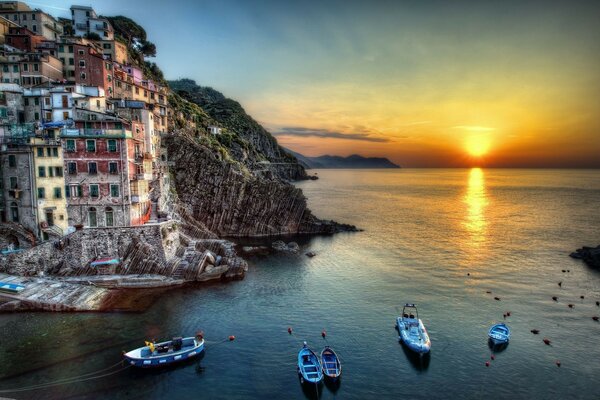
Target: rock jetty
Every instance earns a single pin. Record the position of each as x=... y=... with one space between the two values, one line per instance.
x=589 y=255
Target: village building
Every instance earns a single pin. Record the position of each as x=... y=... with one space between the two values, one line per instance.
x=23 y=39
x=86 y=21
x=35 y=20
x=37 y=68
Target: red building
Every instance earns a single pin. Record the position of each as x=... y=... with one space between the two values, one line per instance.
x=91 y=69
x=23 y=39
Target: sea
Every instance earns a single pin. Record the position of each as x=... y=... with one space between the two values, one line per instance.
x=466 y=246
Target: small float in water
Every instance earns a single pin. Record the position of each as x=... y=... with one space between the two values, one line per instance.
x=499 y=334
x=309 y=366
x=332 y=368
x=166 y=353
x=412 y=331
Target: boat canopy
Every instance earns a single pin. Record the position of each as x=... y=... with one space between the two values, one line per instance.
x=104 y=261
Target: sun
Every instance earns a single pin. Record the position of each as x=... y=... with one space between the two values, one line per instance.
x=477 y=146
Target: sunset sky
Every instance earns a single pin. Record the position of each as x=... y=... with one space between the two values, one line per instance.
x=424 y=83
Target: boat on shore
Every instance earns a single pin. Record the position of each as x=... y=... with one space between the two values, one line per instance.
x=332 y=368
x=499 y=334
x=309 y=366
x=412 y=331
x=165 y=353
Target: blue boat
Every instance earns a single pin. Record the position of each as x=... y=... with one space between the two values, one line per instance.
x=13 y=288
x=309 y=366
x=332 y=368
x=165 y=353
x=499 y=334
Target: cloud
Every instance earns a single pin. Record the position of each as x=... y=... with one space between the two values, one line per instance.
x=471 y=128
x=324 y=133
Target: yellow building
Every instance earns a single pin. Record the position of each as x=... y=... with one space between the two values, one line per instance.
x=49 y=187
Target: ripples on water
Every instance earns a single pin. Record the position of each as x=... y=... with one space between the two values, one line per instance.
x=439 y=238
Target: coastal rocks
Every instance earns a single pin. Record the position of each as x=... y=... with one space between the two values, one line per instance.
x=589 y=255
x=232 y=202
x=256 y=250
x=291 y=247
x=311 y=254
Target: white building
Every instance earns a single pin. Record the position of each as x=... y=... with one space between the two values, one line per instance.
x=215 y=130
x=85 y=20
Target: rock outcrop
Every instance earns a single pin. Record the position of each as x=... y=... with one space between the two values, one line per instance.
x=589 y=255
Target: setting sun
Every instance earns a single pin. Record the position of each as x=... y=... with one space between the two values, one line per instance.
x=477 y=146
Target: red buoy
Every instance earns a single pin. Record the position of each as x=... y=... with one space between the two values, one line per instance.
x=508 y=313
x=323 y=334
x=487 y=363
x=231 y=338
x=493 y=357
x=558 y=363
x=547 y=341
x=290 y=330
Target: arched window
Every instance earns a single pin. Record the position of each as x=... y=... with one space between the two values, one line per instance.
x=92 y=217
x=110 y=219
x=14 y=212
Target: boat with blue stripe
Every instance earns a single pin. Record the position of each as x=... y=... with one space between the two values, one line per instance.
x=14 y=288
x=309 y=366
x=165 y=353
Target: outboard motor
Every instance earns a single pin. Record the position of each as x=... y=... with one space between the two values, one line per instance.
x=177 y=343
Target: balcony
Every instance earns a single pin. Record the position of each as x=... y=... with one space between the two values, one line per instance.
x=92 y=132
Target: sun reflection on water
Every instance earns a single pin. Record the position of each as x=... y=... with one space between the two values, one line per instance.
x=476 y=200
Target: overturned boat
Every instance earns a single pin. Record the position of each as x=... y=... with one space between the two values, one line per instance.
x=412 y=331
x=164 y=353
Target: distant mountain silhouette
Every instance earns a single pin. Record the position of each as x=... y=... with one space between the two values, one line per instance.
x=353 y=161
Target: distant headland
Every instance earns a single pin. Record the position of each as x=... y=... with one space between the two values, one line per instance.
x=353 y=161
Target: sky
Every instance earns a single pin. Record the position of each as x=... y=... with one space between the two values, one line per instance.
x=424 y=83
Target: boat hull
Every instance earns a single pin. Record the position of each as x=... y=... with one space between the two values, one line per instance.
x=413 y=335
x=332 y=368
x=135 y=359
x=499 y=334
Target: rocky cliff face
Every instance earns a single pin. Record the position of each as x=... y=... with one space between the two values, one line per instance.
x=246 y=140
x=231 y=201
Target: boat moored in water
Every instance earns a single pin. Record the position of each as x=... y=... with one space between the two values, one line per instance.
x=412 y=331
x=332 y=368
x=499 y=334
x=309 y=366
x=164 y=353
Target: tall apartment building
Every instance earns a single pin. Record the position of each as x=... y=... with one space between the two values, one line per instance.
x=86 y=21
x=35 y=20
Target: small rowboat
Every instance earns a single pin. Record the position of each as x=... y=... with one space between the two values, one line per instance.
x=11 y=287
x=332 y=368
x=499 y=334
x=309 y=366
x=165 y=353
x=412 y=331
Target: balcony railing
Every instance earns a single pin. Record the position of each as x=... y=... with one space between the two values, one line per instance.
x=92 y=132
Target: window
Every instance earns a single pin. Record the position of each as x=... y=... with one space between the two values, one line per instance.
x=67 y=191
x=112 y=145
x=114 y=190
x=72 y=166
x=57 y=193
x=36 y=101
x=94 y=191
x=5 y=68
x=92 y=168
x=137 y=90
x=70 y=49
x=70 y=145
x=13 y=182
x=33 y=17
x=24 y=17
x=110 y=220
x=82 y=75
x=50 y=172
x=15 y=68
x=65 y=115
x=75 y=191
x=34 y=28
x=12 y=161
x=25 y=67
x=90 y=146
x=36 y=116
x=113 y=168
x=49 y=151
x=106 y=46
x=92 y=218
x=80 y=53
x=14 y=212
x=82 y=63
x=41 y=192
x=42 y=172
x=47 y=101
x=58 y=171
x=61 y=48
x=55 y=152
x=40 y=152
x=71 y=61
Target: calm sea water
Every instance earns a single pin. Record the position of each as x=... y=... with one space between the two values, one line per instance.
x=438 y=238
